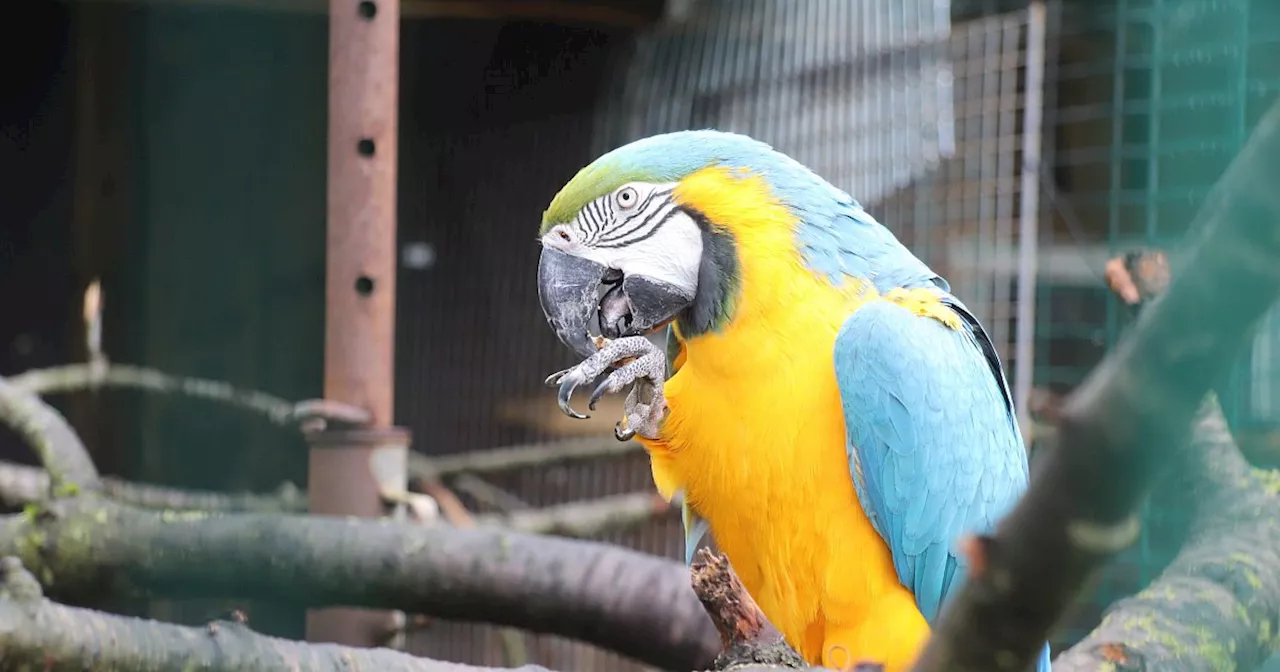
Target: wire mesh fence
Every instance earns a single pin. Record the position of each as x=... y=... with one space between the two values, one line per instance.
x=1155 y=97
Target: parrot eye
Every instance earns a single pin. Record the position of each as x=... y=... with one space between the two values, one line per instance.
x=562 y=234
x=626 y=198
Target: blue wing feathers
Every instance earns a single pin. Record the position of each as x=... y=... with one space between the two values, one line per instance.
x=932 y=433
x=930 y=427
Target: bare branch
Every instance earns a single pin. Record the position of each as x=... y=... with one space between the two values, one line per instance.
x=38 y=634
x=622 y=600
x=1081 y=507
x=512 y=458
x=47 y=432
x=746 y=635
x=21 y=484
x=79 y=377
x=488 y=494
x=583 y=519
x=513 y=645
x=287 y=498
x=93 y=375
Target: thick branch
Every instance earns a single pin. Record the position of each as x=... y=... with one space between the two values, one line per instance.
x=1213 y=606
x=37 y=634
x=1216 y=606
x=47 y=432
x=629 y=602
x=1080 y=508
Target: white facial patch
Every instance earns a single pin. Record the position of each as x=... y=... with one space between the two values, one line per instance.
x=639 y=230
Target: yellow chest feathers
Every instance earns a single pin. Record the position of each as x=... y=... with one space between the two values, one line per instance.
x=755 y=435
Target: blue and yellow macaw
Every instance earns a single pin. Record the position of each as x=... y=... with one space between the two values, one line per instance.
x=824 y=405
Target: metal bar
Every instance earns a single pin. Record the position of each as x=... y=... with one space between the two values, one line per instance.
x=348 y=471
x=1029 y=214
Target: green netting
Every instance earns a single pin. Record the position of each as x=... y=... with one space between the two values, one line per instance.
x=1155 y=97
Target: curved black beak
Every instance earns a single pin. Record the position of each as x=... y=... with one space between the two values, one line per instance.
x=567 y=287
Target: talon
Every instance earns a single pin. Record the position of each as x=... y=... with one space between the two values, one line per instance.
x=554 y=379
x=623 y=433
x=598 y=393
x=566 y=391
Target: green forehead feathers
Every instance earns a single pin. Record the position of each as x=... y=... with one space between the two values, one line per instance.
x=597 y=179
x=669 y=157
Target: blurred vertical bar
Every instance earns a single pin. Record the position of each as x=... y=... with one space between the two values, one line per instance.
x=349 y=469
x=1029 y=215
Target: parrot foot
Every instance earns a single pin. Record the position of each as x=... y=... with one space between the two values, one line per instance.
x=642 y=364
x=642 y=412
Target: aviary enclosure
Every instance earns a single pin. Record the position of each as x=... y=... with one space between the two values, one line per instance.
x=335 y=204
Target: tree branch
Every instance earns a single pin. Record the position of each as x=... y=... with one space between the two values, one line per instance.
x=48 y=433
x=747 y=637
x=36 y=633
x=1117 y=426
x=279 y=411
x=93 y=375
x=583 y=519
x=21 y=484
x=1216 y=606
x=622 y=600
x=513 y=458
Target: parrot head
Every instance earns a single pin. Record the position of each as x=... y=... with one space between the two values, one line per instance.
x=655 y=231
x=621 y=225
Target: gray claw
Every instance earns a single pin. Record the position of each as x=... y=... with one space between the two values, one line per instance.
x=597 y=393
x=567 y=386
x=554 y=379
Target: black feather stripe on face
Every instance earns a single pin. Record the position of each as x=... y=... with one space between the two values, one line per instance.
x=718 y=280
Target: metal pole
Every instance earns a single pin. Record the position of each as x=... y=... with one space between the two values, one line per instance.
x=1029 y=214
x=350 y=469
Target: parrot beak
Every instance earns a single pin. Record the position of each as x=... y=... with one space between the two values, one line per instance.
x=632 y=306
x=639 y=305
x=567 y=287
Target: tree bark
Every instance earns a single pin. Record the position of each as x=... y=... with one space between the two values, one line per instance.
x=1217 y=605
x=48 y=433
x=746 y=635
x=1118 y=427
x=37 y=634
x=21 y=484
x=633 y=603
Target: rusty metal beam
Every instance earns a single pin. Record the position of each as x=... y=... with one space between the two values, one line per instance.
x=349 y=469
